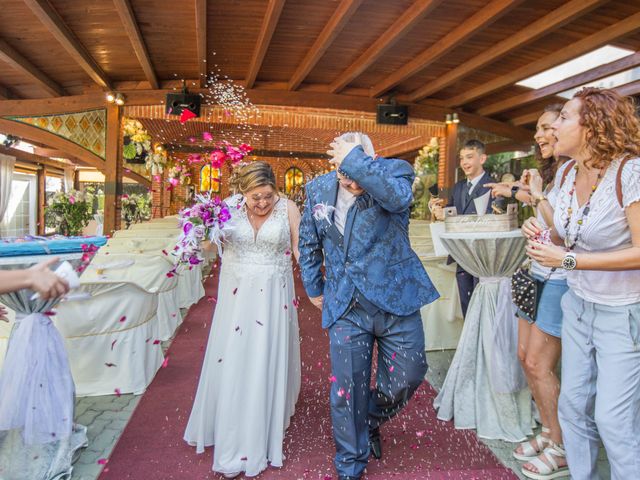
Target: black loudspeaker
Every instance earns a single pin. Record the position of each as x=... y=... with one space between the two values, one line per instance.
x=177 y=102
x=391 y=114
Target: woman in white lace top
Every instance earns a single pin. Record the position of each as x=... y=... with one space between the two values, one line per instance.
x=597 y=236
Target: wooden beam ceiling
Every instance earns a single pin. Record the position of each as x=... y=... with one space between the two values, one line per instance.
x=4 y=93
x=45 y=12
x=481 y=19
x=525 y=119
x=557 y=18
x=395 y=32
x=266 y=97
x=625 y=63
x=128 y=18
x=201 y=41
x=587 y=44
x=14 y=59
x=274 y=9
x=343 y=13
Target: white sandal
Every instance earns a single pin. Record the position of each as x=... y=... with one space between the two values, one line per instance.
x=551 y=470
x=528 y=451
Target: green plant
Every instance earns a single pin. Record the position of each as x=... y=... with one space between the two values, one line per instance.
x=69 y=212
x=136 y=208
x=426 y=163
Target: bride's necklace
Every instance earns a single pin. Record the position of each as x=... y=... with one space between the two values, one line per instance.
x=570 y=245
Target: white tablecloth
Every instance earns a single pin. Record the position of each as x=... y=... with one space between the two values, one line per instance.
x=442 y=320
x=113 y=337
x=485 y=388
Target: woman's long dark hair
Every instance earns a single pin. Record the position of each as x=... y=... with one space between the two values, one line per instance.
x=548 y=166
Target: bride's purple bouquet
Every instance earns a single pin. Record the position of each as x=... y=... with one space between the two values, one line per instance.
x=206 y=219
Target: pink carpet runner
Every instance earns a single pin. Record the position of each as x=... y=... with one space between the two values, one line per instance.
x=416 y=444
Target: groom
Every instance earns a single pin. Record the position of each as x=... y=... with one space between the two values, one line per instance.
x=356 y=222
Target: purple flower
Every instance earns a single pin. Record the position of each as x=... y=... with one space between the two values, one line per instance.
x=186 y=228
x=224 y=215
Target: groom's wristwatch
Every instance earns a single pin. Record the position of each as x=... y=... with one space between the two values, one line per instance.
x=569 y=261
x=514 y=190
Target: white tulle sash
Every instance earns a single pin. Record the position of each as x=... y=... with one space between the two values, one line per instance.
x=36 y=386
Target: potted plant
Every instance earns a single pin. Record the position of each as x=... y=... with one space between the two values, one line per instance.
x=69 y=213
x=135 y=208
x=137 y=142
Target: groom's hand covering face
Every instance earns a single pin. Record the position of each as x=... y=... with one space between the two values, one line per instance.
x=350 y=185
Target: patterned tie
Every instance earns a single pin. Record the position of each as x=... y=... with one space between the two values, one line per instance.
x=467 y=191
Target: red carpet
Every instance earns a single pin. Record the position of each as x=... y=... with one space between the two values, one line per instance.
x=416 y=444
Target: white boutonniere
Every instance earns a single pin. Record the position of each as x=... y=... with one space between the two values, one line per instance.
x=322 y=211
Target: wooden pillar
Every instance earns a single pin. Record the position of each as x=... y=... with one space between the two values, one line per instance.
x=42 y=198
x=76 y=179
x=113 y=170
x=448 y=159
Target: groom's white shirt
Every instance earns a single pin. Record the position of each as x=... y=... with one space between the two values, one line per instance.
x=343 y=203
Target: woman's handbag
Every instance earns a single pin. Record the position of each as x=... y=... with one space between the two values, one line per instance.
x=526 y=291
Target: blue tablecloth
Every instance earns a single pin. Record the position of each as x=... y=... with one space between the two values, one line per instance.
x=47 y=246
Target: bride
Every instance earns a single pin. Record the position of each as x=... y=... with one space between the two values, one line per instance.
x=250 y=378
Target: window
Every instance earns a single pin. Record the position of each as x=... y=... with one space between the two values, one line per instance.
x=292 y=178
x=210 y=179
x=20 y=217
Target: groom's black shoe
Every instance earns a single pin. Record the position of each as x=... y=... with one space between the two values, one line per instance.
x=375 y=443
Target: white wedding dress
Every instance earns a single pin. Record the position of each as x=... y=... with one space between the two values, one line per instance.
x=250 y=378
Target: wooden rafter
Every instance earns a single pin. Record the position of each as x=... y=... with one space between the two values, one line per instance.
x=4 y=93
x=56 y=26
x=201 y=40
x=632 y=88
x=128 y=18
x=32 y=158
x=630 y=61
x=525 y=119
x=266 y=97
x=330 y=31
x=481 y=19
x=557 y=18
x=395 y=32
x=274 y=9
x=13 y=58
x=507 y=146
x=587 y=44
x=408 y=145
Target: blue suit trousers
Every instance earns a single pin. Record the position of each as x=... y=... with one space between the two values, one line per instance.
x=402 y=365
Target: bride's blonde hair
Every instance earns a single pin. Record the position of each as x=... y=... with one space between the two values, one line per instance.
x=252 y=175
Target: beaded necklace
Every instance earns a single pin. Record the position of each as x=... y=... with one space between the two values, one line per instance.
x=587 y=207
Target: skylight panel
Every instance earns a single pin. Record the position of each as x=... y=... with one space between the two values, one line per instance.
x=580 y=64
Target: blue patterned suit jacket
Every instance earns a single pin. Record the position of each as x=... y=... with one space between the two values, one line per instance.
x=374 y=255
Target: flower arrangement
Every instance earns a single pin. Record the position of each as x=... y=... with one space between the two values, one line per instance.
x=221 y=152
x=69 y=212
x=206 y=219
x=156 y=161
x=137 y=142
x=135 y=208
x=179 y=174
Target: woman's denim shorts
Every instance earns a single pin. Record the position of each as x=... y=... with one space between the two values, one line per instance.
x=549 y=316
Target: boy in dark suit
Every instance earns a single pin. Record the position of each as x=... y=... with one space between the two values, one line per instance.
x=472 y=159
